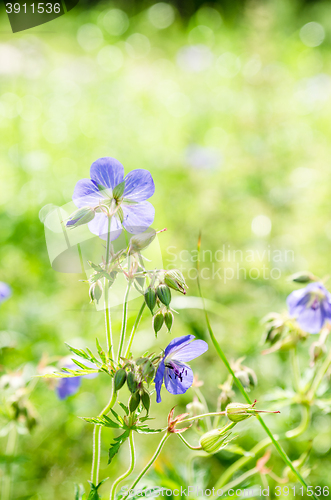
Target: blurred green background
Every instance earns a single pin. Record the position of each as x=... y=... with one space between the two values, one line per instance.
x=229 y=108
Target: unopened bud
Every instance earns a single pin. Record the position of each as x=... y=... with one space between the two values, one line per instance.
x=95 y=292
x=146 y=400
x=132 y=382
x=134 y=401
x=80 y=217
x=168 y=319
x=141 y=241
x=175 y=280
x=303 y=277
x=119 y=379
x=158 y=321
x=215 y=440
x=236 y=412
x=164 y=294
x=150 y=298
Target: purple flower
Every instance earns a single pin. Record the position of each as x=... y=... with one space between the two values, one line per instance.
x=68 y=386
x=5 y=291
x=176 y=374
x=311 y=306
x=124 y=199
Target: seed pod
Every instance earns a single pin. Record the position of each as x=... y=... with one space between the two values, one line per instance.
x=168 y=319
x=134 y=401
x=158 y=321
x=150 y=298
x=175 y=280
x=119 y=379
x=214 y=440
x=132 y=383
x=164 y=294
x=81 y=216
x=140 y=241
x=146 y=400
x=95 y=291
x=236 y=412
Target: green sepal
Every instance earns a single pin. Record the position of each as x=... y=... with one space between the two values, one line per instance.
x=164 y=294
x=119 y=379
x=119 y=190
x=132 y=383
x=146 y=400
x=134 y=401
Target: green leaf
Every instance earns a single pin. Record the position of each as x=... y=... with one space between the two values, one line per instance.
x=114 y=447
x=125 y=408
x=142 y=429
x=92 y=357
x=94 y=495
x=81 y=365
x=68 y=373
x=118 y=417
x=79 y=492
x=104 y=420
x=101 y=352
x=78 y=352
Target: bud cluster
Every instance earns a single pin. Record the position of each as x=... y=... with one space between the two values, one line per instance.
x=281 y=333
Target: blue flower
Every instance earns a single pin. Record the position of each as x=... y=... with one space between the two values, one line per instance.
x=124 y=199
x=5 y=291
x=68 y=386
x=176 y=374
x=311 y=306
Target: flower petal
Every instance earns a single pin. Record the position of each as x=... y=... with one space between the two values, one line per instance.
x=86 y=194
x=158 y=380
x=190 y=351
x=137 y=218
x=139 y=185
x=178 y=384
x=68 y=386
x=107 y=171
x=99 y=226
x=5 y=291
x=311 y=320
x=174 y=344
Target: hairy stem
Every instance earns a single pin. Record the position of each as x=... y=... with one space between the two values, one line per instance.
x=134 y=329
x=221 y=354
x=124 y=321
x=188 y=444
x=130 y=469
x=149 y=465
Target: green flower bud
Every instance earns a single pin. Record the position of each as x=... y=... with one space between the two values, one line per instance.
x=168 y=319
x=158 y=321
x=175 y=280
x=95 y=292
x=164 y=294
x=80 y=217
x=150 y=298
x=119 y=379
x=146 y=400
x=141 y=241
x=215 y=440
x=236 y=412
x=148 y=371
x=134 y=401
x=303 y=277
x=119 y=190
x=132 y=382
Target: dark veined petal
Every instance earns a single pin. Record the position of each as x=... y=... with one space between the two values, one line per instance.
x=107 y=171
x=179 y=341
x=137 y=218
x=158 y=380
x=139 y=185
x=186 y=352
x=178 y=379
x=86 y=194
x=67 y=387
x=99 y=226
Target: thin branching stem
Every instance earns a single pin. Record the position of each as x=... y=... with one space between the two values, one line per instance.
x=130 y=469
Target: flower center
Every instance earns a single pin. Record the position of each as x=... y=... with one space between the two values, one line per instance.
x=177 y=371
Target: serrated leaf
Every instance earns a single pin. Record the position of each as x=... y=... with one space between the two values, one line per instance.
x=68 y=373
x=105 y=421
x=79 y=352
x=125 y=408
x=114 y=447
x=117 y=416
x=92 y=357
x=81 y=365
x=101 y=352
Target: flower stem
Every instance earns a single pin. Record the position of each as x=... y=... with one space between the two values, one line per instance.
x=295 y=369
x=130 y=469
x=204 y=402
x=134 y=329
x=239 y=480
x=149 y=465
x=124 y=321
x=10 y=450
x=188 y=444
x=319 y=376
x=241 y=387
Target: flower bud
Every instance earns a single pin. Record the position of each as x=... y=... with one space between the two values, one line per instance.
x=146 y=400
x=134 y=401
x=95 y=291
x=164 y=294
x=168 y=319
x=215 y=440
x=236 y=412
x=303 y=277
x=132 y=382
x=141 y=241
x=80 y=217
x=175 y=280
x=119 y=379
x=150 y=298
x=158 y=321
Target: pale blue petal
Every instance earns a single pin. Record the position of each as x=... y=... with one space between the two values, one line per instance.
x=158 y=380
x=5 y=291
x=67 y=386
x=99 y=226
x=107 y=171
x=187 y=352
x=175 y=343
x=178 y=378
x=139 y=185
x=137 y=218
x=86 y=194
